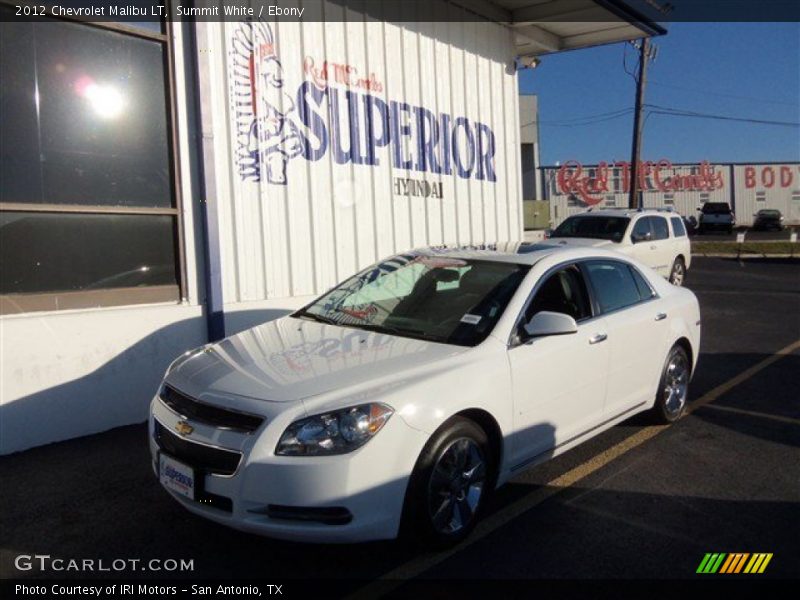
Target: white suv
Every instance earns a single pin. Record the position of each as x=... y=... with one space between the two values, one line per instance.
x=655 y=237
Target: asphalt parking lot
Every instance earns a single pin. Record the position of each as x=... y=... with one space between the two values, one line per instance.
x=636 y=502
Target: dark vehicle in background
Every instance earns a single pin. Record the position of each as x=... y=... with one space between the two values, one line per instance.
x=690 y=223
x=768 y=218
x=716 y=216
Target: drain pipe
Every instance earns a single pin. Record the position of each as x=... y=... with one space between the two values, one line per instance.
x=206 y=183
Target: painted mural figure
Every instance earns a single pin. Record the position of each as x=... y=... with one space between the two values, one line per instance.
x=267 y=137
x=349 y=122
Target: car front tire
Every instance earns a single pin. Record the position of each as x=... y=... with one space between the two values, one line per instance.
x=677 y=274
x=448 y=488
x=673 y=387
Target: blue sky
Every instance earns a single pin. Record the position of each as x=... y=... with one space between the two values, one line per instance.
x=749 y=70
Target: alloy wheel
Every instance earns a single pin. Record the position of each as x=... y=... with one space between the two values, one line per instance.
x=456 y=486
x=678 y=273
x=676 y=385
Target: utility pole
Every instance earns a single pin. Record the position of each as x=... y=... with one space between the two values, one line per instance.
x=641 y=82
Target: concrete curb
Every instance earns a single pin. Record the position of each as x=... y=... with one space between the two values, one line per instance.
x=743 y=256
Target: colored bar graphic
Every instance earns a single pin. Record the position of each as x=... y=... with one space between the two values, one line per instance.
x=703 y=563
x=717 y=564
x=753 y=560
x=726 y=565
x=722 y=563
x=767 y=558
x=740 y=564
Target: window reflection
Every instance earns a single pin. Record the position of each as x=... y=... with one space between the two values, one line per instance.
x=42 y=252
x=84 y=114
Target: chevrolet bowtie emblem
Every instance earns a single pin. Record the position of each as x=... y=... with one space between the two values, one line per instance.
x=183 y=428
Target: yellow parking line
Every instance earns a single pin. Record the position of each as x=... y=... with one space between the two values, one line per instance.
x=723 y=388
x=753 y=413
x=419 y=565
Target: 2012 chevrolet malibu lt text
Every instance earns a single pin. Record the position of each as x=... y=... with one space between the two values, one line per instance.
x=401 y=398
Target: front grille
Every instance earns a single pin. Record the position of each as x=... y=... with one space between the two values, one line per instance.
x=222 y=418
x=333 y=515
x=203 y=458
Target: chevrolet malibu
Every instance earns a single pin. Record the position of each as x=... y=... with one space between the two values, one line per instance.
x=396 y=402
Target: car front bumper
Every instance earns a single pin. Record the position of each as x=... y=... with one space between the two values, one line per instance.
x=368 y=484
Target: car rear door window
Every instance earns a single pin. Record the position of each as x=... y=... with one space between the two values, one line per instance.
x=677 y=227
x=613 y=284
x=660 y=228
x=645 y=291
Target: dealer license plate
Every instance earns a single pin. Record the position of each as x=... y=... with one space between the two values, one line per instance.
x=176 y=476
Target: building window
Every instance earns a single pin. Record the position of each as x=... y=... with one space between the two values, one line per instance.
x=611 y=200
x=88 y=202
x=669 y=199
x=616 y=180
x=761 y=196
x=704 y=197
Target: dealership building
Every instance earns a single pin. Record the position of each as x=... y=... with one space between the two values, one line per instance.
x=571 y=187
x=164 y=184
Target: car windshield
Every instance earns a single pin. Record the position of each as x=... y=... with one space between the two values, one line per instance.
x=437 y=298
x=716 y=208
x=598 y=227
x=768 y=213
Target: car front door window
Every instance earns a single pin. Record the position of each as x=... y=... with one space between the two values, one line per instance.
x=551 y=408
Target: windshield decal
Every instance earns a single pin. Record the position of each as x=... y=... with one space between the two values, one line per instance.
x=471 y=319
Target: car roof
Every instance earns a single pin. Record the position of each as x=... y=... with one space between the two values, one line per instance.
x=521 y=253
x=626 y=212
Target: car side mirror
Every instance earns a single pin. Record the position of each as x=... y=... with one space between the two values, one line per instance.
x=640 y=237
x=550 y=323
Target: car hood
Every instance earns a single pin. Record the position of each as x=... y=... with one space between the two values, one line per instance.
x=578 y=241
x=291 y=359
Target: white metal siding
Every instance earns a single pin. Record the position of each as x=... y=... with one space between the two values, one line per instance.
x=683 y=202
x=777 y=184
x=330 y=219
x=752 y=188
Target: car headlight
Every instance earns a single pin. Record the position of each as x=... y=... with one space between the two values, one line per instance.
x=335 y=432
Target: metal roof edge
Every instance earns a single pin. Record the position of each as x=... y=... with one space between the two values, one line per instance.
x=625 y=11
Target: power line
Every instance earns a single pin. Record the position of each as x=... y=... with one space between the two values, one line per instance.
x=625 y=61
x=723 y=95
x=677 y=112
x=588 y=119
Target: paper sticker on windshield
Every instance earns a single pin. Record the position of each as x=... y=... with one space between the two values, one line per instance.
x=440 y=262
x=471 y=319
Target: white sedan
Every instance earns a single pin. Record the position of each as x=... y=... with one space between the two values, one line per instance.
x=400 y=399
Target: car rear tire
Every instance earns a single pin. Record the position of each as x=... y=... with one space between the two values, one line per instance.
x=673 y=387
x=678 y=273
x=449 y=486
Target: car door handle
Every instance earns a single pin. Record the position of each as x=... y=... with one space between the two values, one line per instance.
x=653 y=247
x=661 y=316
x=597 y=338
